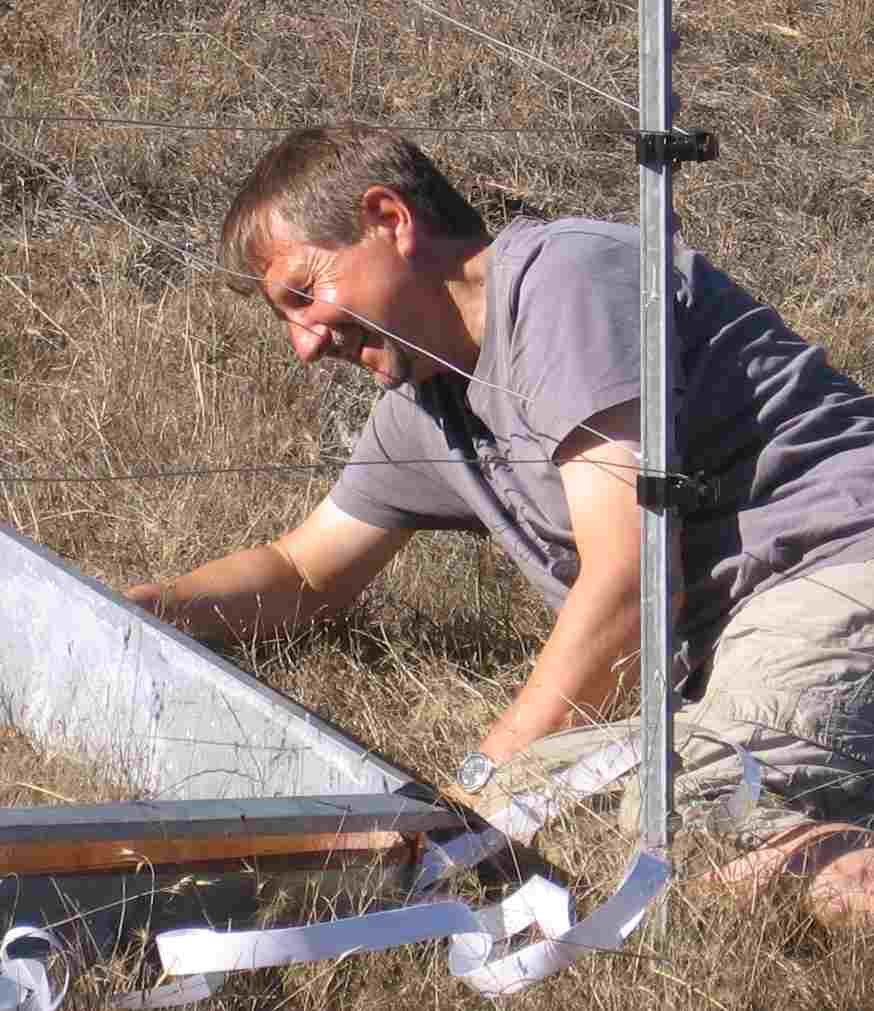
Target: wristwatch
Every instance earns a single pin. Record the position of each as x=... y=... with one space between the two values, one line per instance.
x=475 y=771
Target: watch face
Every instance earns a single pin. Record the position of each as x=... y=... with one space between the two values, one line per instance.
x=475 y=771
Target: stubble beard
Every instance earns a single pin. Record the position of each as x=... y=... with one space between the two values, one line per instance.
x=399 y=362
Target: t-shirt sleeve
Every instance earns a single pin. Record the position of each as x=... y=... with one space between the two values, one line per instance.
x=576 y=335
x=393 y=479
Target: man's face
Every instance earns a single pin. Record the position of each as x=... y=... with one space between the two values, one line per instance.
x=310 y=287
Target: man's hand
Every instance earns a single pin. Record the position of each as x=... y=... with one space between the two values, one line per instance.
x=158 y=600
x=148 y=596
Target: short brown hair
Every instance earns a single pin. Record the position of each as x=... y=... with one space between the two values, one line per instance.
x=316 y=178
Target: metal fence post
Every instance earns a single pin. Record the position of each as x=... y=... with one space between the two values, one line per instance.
x=656 y=332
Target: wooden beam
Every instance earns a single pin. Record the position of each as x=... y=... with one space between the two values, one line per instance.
x=310 y=831
x=73 y=858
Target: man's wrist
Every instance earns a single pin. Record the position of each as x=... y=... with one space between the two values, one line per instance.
x=475 y=772
x=499 y=744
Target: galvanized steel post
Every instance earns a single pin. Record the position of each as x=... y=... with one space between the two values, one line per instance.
x=657 y=431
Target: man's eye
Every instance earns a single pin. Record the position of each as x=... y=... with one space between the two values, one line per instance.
x=294 y=298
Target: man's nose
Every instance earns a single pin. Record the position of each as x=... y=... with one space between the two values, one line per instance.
x=310 y=342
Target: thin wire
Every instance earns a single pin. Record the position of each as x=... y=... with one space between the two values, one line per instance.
x=189 y=258
x=170 y=472
x=155 y=124
x=528 y=56
x=491 y=39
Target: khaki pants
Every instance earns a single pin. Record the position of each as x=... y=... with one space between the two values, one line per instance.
x=792 y=681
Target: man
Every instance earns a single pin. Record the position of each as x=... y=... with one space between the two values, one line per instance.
x=512 y=371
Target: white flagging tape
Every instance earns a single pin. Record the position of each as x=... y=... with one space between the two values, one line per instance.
x=474 y=934
x=24 y=982
x=477 y=952
x=549 y=906
x=527 y=813
x=442 y=861
x=181 y=991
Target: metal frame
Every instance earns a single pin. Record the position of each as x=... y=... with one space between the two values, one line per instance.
x=241 y=771
x=88 y=671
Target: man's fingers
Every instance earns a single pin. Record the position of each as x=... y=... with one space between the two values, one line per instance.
x=150 y=596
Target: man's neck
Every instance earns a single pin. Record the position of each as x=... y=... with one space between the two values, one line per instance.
x=465 y=283
x=471 y=297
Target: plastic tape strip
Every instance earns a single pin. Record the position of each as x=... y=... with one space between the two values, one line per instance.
x=734 y=809
x=181 y=991
x=526 y=813
x=441 y=861
x=474 y=933
x=24 y=982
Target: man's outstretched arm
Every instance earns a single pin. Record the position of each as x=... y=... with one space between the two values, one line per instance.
x=316 y=569
x=591 y=654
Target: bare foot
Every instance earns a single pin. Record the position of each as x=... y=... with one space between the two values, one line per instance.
x=835 y=858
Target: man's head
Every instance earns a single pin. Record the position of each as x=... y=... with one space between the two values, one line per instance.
x=352 y=235
x=314 y=182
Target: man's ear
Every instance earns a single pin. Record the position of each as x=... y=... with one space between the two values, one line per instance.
x=385 y=212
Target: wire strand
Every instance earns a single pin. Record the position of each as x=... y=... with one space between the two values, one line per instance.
x=188 y=258
x=11 y=475
x=525 y=55
x=529 y=56
x=64 y=119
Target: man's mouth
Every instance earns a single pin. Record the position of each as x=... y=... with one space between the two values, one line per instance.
x=348 y=345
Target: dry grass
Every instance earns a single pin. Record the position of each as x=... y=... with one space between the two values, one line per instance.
x=117 y=352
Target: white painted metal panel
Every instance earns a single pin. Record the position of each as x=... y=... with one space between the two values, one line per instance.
x=83 y=669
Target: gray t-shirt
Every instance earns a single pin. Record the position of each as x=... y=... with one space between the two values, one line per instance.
x=790 y=439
